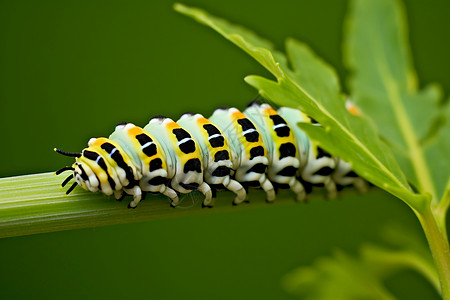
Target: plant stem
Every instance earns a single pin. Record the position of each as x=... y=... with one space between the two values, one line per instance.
x=440 y=249
x=440 y=211
x=35 y=203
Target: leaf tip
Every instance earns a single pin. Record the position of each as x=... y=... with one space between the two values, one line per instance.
x=177 y=6
x=192 y=12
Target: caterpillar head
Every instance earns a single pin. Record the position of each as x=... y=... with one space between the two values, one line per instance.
x=82 y=174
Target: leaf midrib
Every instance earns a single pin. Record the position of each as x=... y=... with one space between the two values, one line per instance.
x=415 y=153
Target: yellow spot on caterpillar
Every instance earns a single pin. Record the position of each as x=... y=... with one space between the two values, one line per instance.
x=135 y=131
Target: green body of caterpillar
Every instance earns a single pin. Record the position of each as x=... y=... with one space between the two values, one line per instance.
x=260 y=147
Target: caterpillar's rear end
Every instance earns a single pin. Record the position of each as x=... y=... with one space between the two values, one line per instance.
x=260 y=148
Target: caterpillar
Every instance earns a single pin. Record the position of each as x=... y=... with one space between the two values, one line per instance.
x=260 y=147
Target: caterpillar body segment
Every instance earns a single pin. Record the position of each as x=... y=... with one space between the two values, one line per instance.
x=280 y=142
x=149 y=160
x=293 y=117
x=105 y=175
x=186 y=167
x=259 y=147
x=317 y=165
x=319 y=169
x=117 y=158
x=216 y=153
x=252 y=162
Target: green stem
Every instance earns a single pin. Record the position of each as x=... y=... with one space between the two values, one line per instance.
x=440 y=211
x=440 y=249
x=33 y=204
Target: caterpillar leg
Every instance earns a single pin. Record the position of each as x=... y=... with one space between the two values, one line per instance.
x=238 y=189
x=206 y=190
x=227 y=183
x=326 y=181
x=119 y=195
x=330 y=186
x=267 y=186
x=137 y=196
x=318 y=171
x=167 y=191
x=298 y=189
x=158 y=184
x=360 y=184
x=344 y=176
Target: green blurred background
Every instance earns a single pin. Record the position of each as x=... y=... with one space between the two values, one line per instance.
x=71 y=70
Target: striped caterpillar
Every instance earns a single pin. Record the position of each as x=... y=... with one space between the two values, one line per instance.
x=261 y=147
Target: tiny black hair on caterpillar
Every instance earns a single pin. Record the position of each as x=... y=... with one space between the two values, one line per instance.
x=259 y=147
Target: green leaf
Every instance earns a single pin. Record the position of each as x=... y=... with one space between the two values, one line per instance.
x=383 y=85
x=312 y=86
x=342 y=276
x=437 y=152
x=338 y=277
x=406 y=250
